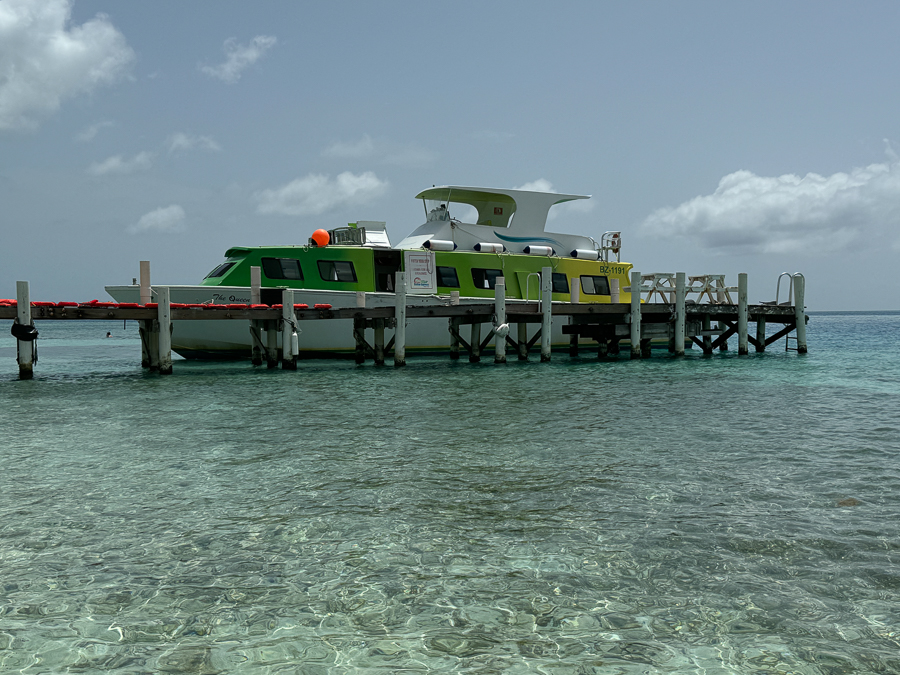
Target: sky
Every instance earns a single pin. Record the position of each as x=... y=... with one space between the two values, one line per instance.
x=717 y=137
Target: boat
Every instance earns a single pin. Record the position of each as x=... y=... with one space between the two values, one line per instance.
x=471 y=236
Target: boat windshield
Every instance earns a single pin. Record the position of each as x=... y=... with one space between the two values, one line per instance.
x=445 y=211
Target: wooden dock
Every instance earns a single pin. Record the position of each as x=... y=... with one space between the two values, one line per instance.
x=672 y=319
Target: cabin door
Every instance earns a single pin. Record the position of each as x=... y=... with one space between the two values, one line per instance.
x=387 y=263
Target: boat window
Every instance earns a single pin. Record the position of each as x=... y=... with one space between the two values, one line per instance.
x=282 y=268
x=560 y=283
x=595 y=285
x=336 y=270
x=220 y=270
x=447 y=277
x=485 y=278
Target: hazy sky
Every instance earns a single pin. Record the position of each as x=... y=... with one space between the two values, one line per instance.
x=720 y=137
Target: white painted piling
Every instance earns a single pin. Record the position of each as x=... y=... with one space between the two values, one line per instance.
x=145 y=282
x=635 y=315
x=743 y=342
x=400 y=316
x=575 y=290
x=255 y=326
x=360 y=298
x=164 y=312
x=546 y=312
x=614 y=295
x=679 y=313
x=500 y=328
x=800 y=311
x=25 y=348
x=288 y=322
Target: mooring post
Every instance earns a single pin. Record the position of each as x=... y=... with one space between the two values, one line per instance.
x=522 y=340
x=164 y=312
x=379 y=342
x=635 y=315
x=475 y=343
x=680 y=315
x=255 y=329
x=707 y=335
x=400 y=315
x=574 y=298
x=145 y=282
x=800 y=311
x=500 y=320
x=25 y=349
x=359 y=336
x=760 y=332
x=144 y=330
x=454 y=338
x=614 y=296
x=743 y=343
x=288 y=330
x=271 y=344
x=546 y=312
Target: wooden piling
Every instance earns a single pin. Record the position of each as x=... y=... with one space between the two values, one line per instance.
x=288 y=326
x=400 y=315
x=635 y=315
x=760 y=333
x=475 y=343
x=271 y=344
x=255 y=326
x=163 y=297
x=522 y=341
x=679 y=314
x=379 y=342
x=707 y=335
x=500 y=327
x=454 y=338
x=546 y=312
x=24 y=348
x=800 y=311
x=359 y=336
x=743 y=343
x=145 y=292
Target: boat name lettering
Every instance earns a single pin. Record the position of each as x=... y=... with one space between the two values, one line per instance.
x=218 y=298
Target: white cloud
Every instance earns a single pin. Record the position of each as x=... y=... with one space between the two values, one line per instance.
x=316 y=193
x=181 y=141
x=539 y=185
x=118 y=164
x=355 y=150
x=239 y=57
x=44 y=61
x=91 y=132
x=165 y=219
x=788 y=214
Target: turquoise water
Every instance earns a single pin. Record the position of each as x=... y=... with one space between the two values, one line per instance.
x=707 y=515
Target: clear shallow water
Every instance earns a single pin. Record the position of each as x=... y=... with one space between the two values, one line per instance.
x=656 y=516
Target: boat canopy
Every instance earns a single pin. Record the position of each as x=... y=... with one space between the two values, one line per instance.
x=496 y=206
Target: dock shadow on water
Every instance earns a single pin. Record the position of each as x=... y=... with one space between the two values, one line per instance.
x=714 y=515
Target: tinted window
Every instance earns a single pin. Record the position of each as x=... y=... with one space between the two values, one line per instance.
x=560 y=283
x=485 y=278
x=336 y=270
x=220 y=270
x=282 y=268
x=447 y=277
x=595 y=285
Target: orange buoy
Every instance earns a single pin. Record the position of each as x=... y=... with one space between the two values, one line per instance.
x=321 y=238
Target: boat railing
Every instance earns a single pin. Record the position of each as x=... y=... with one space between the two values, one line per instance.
x=610 y=242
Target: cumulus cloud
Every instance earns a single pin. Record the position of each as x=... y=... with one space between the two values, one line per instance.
x=239 y=57
x=88 y=134
x=316 y=193
x=182 y=142
x=117 y=164
x=44 y=61
x=165 y=219
x=788 y=214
